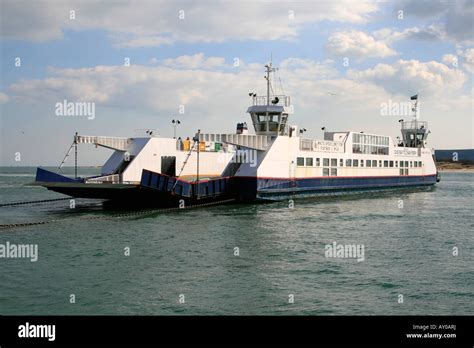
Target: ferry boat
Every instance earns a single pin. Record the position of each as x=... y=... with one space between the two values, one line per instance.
x=274 y=163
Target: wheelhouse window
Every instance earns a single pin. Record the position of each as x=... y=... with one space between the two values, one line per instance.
x=309 y=161
x=300 y=161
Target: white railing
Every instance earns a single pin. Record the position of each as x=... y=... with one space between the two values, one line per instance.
x=257 y=142
x=114 y=143
x=282 y=100
x=106 y=179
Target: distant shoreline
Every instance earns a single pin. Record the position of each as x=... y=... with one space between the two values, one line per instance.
x=455 y=167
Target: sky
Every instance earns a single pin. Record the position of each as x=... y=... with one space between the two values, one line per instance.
x=143 y=63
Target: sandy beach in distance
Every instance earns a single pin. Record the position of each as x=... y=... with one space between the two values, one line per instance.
x=455 y=167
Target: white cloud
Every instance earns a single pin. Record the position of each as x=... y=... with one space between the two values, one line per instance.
x=454 y=17
x=153 y=23
x=196 y=61
x=431 y=79
x=358 y=44
x=467 y=59
x=429 y=33
x=3 y=98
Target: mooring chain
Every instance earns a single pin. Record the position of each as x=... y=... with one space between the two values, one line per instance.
x=34 y=202
x=118 y=216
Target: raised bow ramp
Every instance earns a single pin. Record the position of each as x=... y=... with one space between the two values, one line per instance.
x=114 y=143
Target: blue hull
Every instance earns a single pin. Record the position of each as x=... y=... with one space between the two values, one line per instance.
x=278 y=189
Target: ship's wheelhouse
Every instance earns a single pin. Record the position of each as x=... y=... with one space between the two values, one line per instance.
x=270 y=117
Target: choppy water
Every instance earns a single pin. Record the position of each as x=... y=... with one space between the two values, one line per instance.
x=408 y=251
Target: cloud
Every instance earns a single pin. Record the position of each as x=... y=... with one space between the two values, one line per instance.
x=358 y=44
x=467 y=59
x=196 y=61
x=450 y=59
x=154 y=23
x=455 y=18
x=430 y=33
x=431 y=79
x=3 y=98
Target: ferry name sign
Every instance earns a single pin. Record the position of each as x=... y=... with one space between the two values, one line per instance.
x=328 y=146
x=406 y=152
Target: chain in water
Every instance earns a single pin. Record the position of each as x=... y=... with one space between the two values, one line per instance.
x=117 y=216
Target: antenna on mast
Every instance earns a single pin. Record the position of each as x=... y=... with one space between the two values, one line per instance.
x=269 y=70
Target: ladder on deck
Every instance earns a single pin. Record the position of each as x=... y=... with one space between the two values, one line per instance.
x=67 y=155
x=184 y=163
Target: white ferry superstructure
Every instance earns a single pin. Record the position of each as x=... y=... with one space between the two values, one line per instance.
x=275 y=163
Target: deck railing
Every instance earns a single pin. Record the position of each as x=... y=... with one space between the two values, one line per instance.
x=106 y=179
x=283 y=100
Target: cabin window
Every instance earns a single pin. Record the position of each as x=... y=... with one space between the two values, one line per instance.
x=396 y=164
x=411 y=164
x=391 y=164
x=421 y=164
x=325 y=171
x=374 y=163
x=333 y=171
x=416 y=164
x=361 y=163
x=406 y=164
x=333 y=162
x=309 y=162
x=300 y=161
x=355 y=163
x=370 y=144
x=368 y=163
x=403 y=171
x=380 y=164
x=348 y=163
x=325 y=162
x=385 y=163
x=341 y=162
x=317 y=162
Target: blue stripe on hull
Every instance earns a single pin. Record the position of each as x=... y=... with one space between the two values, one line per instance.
x=276 y=189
